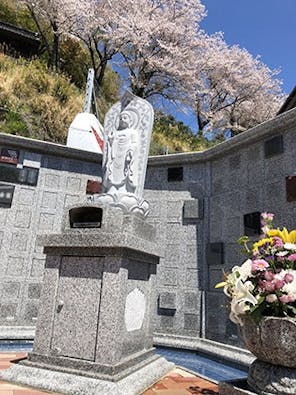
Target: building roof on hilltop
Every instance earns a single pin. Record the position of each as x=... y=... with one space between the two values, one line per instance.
x=22 y=41
x=289 y=103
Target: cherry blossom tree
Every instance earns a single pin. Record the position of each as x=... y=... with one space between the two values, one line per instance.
x=156 y=41
x=232 y=90
x=91 y=21
x=49 y=18
x=161 y=51
x=152 y=39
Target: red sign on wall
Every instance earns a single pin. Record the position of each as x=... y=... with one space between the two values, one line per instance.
x=8 y=155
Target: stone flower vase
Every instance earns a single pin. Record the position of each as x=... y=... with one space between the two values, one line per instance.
x=273 y=342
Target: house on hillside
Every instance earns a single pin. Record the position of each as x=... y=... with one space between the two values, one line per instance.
x=17 y=41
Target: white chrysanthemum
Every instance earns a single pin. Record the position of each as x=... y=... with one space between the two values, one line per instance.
x=290 y=246
x=282 y=253
x=290 y=288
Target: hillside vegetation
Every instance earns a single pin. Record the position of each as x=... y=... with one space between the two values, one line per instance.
x=34 y=102
x=40 y=104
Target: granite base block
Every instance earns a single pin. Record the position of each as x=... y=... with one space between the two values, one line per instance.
x=235 y=387
x=70 y=384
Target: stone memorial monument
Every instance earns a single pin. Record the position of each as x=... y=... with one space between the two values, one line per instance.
x=94 y=332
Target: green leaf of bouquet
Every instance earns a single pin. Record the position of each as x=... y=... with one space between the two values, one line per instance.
x=243 y=240
x=292 y=308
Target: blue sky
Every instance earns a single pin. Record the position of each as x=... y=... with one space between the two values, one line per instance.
x=264 y=27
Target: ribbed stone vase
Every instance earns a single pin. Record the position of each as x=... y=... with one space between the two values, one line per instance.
x=273 y=342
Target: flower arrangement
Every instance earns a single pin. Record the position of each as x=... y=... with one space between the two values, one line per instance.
x=265 y=284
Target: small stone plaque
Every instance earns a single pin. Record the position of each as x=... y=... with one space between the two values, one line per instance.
x=6 y=195
x=291 y=188
x=135 y=308
x=8 y=155
x=215 y=254
x=193 y=209
x=93 y=187
x=167 y=300
x=273 y=146
x=252 y=224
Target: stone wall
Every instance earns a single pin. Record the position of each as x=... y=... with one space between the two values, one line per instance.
x=198 y=203
x=201 y=216
x=61 y=176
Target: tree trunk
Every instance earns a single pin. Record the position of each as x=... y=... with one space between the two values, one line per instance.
x=55 y=47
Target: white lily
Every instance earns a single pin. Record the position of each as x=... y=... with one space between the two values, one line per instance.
x=242 y=298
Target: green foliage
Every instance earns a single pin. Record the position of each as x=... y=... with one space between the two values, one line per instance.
x=172 y=136
x=74 y=60
x=11 y=12
x=14 y=124
x=108 y=94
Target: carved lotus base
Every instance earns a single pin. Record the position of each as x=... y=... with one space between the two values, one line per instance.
x=128 y=203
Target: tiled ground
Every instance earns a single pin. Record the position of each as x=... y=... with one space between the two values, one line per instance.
x=177 y=382
x=180 y=382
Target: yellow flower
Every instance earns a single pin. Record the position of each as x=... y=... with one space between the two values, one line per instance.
x=287 y=237
x=260 y=243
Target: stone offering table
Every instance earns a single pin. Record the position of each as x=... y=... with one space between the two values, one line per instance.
x=94 y=332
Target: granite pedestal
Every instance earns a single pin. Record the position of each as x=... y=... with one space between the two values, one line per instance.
x=94 y=332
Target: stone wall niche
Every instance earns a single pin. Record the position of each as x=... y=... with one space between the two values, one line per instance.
x=94 y=332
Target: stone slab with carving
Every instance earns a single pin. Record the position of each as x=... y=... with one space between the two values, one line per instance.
x=127 y=129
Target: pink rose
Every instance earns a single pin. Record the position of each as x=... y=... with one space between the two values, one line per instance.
x=269 y=276
x=284 y=299
x=279 y=284
x=269 y=286
x=287 y=298
x=271 y=298
x=277 y=242
x=288 y=278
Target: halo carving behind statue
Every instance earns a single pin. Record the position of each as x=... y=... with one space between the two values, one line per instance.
x=127 y=133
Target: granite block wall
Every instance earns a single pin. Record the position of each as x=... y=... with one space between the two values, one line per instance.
x=62 y=175
x=198 y=205
x=242 y=176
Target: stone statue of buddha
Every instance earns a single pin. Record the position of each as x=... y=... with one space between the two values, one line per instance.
x=127 y=132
